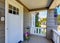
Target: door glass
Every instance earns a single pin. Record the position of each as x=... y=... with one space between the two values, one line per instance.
x=13 y=10
x=10 y=11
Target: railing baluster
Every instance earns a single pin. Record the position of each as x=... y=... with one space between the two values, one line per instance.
x=56 y=36
x=37 y=31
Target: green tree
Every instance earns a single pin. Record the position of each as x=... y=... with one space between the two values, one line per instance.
x=58 y=19
x=36 y=20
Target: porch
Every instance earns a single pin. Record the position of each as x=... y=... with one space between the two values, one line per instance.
x=20 y=15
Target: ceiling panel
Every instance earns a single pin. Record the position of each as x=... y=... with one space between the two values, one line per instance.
x=34 y=4
x=55 y=4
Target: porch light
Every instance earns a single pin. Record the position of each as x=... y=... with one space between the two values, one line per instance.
x=2 y=19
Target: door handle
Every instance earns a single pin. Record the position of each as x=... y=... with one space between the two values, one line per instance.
x=7 y=28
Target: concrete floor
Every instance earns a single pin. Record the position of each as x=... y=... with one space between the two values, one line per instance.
x=37 y=39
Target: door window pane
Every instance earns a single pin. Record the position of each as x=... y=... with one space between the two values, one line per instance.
x=10 y=7
x=10 y=11
x=13 y=10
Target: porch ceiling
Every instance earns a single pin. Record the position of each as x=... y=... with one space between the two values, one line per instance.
x=55 y=4
x=33 y=5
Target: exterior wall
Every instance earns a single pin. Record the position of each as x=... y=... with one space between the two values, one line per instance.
x=27 y=19
x=2 y=24
x=50 y=23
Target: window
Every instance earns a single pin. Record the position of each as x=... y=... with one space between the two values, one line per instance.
x=13 y=10
x=40 y=19
x=40 y=22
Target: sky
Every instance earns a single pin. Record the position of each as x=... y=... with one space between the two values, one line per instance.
x=58 y=11
x=43 y=14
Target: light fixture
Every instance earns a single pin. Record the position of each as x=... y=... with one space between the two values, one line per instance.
x=2 y=19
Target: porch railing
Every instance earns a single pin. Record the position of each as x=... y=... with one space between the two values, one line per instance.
x=38 y=31
x=56 y=36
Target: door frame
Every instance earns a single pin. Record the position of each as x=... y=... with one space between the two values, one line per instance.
x=6 y=12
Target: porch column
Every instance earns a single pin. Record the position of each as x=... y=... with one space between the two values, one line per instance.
x=51 y=23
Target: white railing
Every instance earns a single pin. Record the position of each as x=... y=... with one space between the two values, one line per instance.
x=56 y=36
x=38 y=31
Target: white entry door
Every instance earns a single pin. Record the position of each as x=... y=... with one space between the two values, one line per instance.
x=13 y=21
x=14 y=30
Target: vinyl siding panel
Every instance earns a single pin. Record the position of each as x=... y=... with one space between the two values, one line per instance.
x=2 y=24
